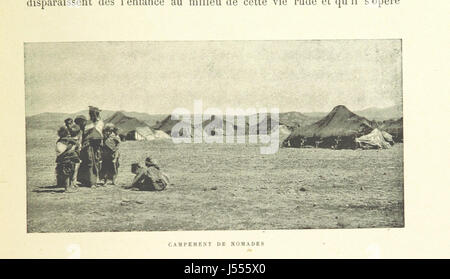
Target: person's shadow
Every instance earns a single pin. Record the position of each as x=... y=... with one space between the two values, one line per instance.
x=49 y=189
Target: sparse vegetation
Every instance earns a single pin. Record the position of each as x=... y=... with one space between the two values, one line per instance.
x=223 y=187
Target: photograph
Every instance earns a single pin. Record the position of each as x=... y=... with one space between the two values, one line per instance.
x=142 y=136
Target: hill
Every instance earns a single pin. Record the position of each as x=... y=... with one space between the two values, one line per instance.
x=381 y=114
x=295 y=119
x=52 y=120
x=373 y=113
x=292 y=120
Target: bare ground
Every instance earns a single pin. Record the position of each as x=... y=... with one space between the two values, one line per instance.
x=223 y=187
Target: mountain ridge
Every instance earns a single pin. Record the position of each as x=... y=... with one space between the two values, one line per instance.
x=291 y=119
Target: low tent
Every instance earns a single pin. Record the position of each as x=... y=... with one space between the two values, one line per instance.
x=161 y=135
x=388 y=137
x=146 y=133
x=141 y=133
x=131 y=128
x=394 y=127
x=375 y=139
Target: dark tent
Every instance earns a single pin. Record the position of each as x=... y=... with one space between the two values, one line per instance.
x=289 y=119
x=166 y=125
x=126 y=124
x=338 y=129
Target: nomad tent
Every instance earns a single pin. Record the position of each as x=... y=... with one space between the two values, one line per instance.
x=338 y=130
x=388 y=137
x=166 y=125
x=375 y=140
x=146 y=133
x=131 y=128
x=394 y=127
x=161 y=135
x=141 y=133
x=124 y=122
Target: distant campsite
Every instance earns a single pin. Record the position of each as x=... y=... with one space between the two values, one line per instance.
x=339 y=129
x=331 y=168
x=343 y=129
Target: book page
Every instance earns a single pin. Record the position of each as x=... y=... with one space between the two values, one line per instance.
x=218 y=129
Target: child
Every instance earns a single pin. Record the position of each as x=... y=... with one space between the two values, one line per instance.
x=110 y=154
x=75 y=134
x=116 y=155
x=149 y=178
x=66 y=159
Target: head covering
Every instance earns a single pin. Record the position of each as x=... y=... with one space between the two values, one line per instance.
x=68 y=121
x=135 y=167
x=80 y=119
x=94 y=113
x=109 y=127
x=151 y=162
x=94 y=109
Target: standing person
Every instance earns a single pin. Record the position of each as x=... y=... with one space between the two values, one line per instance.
x=110 y=155
x=92 y=141
x=150 y=178
x=75 y=134
x=116 y=154
x=66 y=159
x=81 y=121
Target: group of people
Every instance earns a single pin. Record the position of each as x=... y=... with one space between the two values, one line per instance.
x=87 y=154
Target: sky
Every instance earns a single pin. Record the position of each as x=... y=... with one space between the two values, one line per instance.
x=157 y=77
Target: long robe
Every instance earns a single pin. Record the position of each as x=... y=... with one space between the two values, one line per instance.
x=91 y=153
x=110 y=158
x=66 y=158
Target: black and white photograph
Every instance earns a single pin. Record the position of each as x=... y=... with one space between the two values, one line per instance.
x=141 y=136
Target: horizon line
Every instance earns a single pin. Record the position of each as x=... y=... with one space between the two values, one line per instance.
x=120 y=110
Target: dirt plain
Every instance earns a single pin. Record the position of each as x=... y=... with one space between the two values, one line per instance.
x=222 y=187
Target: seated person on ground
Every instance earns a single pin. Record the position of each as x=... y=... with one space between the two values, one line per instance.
x=150 y=178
